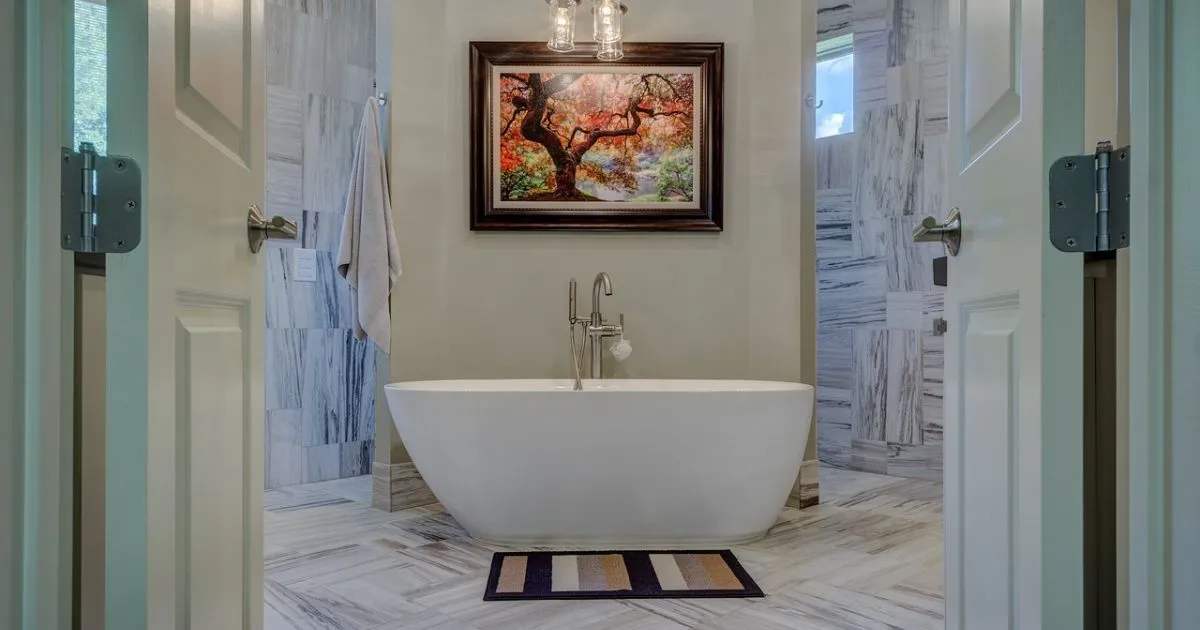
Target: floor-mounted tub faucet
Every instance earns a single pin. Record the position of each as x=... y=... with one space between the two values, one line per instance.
x=594 y=327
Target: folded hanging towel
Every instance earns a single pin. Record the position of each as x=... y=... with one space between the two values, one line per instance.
x=369 y=257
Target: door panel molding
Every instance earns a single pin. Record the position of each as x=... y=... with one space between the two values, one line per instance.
x=213 y=354
x=213 y=80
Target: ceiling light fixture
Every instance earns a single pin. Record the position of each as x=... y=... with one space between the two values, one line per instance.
x=607 y=18
x=562 y=24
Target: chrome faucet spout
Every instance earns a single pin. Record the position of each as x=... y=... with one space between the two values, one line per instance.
x=602 y=282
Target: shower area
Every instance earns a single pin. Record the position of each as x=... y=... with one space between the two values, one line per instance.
x=320 y=380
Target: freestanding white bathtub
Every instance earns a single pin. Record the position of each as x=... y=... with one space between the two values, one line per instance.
x=624 y=461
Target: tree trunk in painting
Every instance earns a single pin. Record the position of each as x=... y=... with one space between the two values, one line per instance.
x=611 y=109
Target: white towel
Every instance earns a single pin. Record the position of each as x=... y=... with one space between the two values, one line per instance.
x=369 y=257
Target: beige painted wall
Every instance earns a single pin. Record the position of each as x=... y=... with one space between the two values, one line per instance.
x=735 y=305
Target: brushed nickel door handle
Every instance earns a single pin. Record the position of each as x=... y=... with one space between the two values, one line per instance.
x=948 y=233
x=259 y=228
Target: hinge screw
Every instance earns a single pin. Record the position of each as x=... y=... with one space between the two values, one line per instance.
x=131 y=205
x=121 y=244
x=1070 y=165
x=120 y=165
x=1060 y=204
x=1071 y=242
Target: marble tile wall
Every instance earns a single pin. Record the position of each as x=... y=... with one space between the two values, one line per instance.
x=320 y=381
x=879 y=383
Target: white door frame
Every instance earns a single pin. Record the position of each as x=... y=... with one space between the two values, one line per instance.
x=39 y=500
x=1155 y=390
x=44 y=308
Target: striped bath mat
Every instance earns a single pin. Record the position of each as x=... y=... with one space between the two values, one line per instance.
x=617 y=575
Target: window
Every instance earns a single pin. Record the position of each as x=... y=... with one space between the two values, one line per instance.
x=91 y=74
x=835 y=86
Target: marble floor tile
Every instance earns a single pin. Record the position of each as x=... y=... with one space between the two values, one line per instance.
x=357 y=489
x=868 y=557
x=285 y=609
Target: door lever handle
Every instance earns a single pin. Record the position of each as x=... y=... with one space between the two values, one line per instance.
x=258 y=226
x=948 y=233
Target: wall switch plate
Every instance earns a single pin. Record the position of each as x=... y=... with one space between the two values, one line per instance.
x=304 y=265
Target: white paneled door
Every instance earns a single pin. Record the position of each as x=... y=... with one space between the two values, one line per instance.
x=185 y=320
x=1014 y=349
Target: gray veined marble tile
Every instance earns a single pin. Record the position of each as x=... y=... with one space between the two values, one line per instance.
x=338 y=396
x=905 y=311
x=933 y=178
x=285 y=187
x=357 y=457
x=871 y=16
x=904 y=387
x=852 y=292
x=330 y=128
x=869 y=456
x=285 y=609
x=835 y=162
x=282 y=367
x=835 y=359
x=323 y=304
x=295 y=48
x=870 y=71
x=868 y=403
x=835 y=209
x=916 y=461
x=935 y=101
x=834 y=18
x=322 y=462
x=933 y=387
x=889 y=161
x=285 y=129
x=919 y=30
x=909 y=265
x=283 y=451
x=351 y=28
x=904 y=83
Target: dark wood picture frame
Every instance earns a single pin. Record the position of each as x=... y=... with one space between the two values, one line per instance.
x=706 y=60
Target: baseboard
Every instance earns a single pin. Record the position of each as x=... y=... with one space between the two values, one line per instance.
x=396 y=487
x=806 y=491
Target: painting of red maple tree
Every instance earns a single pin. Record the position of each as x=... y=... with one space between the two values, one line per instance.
x=606 y=138
x=561 y=141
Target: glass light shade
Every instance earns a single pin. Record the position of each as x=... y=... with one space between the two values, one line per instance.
x=606 y=21
x=609 y=51
x=562 y=25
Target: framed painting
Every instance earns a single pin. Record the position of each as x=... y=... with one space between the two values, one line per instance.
x=561 y=141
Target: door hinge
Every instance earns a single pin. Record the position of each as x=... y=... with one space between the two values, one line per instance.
x=101 y=202
x=1089 y=200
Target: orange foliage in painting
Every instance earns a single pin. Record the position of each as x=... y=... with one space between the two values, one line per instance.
x=626 y=136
